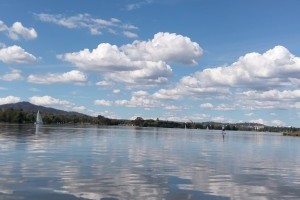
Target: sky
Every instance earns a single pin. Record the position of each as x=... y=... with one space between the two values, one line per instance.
x=181 y=60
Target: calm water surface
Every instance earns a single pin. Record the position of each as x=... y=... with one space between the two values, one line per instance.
x=110 y=163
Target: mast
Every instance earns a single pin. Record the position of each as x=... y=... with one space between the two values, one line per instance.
x=39 y=119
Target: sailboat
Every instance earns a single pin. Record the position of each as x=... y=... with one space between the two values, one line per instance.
x=39 y=119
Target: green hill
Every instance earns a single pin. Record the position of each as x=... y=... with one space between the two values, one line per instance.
x=25 y=112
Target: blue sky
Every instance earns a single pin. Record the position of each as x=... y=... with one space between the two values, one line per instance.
x=182 y=60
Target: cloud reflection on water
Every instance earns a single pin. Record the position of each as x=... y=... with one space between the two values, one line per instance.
x=127 y=163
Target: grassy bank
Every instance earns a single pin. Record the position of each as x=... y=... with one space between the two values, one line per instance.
x=297 y=133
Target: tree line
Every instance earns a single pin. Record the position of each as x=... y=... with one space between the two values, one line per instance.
x=20 y=116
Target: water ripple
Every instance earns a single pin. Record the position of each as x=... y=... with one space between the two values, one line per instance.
x=93 y=162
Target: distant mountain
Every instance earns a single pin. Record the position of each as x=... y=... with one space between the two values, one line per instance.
x=29 y=107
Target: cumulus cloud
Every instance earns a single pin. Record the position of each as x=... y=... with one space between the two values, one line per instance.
x=3 y=26
x=183 y=90
x=102 y=102
x=153 y=73
x=140 y=99
x=15 y=74
x=57 y=103
x=116 y=91
x=259 y=121
x=173 y=107
x=221 y=107
x=170 y=94
x=147 y=101
x=273 y=95
x=139 y=63
x=207 y=105
x=16 y=55
x=218 y=119
x=169 y=47
x=17 y=31
x=277 y=122
x=73 y=76
x=184 y=118
x=96 y=26
x=49 y=101
x=79 y=108
x=105 y=57
x=252 y=73
x=273 y=68
x=272 y=99
x=9 y=99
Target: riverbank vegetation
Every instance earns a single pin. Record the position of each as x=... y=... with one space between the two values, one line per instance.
x=21 y=116
x=293 y=133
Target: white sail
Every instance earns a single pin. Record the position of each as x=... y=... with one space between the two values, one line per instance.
x=39 y=119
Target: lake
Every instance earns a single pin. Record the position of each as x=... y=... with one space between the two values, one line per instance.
x=116 y=163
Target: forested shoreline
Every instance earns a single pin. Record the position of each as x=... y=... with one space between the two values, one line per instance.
x=19 y=116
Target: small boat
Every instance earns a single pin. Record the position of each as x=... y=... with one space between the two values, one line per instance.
x=39 y=119
x=223 y=130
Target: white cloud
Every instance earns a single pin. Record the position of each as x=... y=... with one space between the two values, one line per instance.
x=139 y=63
x=79 y=108
x=9 y=99
x=57 y=103
x=15 y=54
x=15 y=74
x=102 y=102
x=3 y=26
x=259 y=121
x=49 y=101
x=171 y=94
x=272 y=99
x=138 y=5
x=116 y=91
x=168 y=47
x=103 y=83
x=95 y=26
x=218 y=119
x=221 y=107
x=272 y=95
x=225 y=107
x=183 y=118
x=17 y=30
x=105 y=57
x=130 y=34
x=140 y=99
x=273 y=68
x=73 y=76
x=153 y=73
x=184 y=90
x=173 y=107
x=277 y=122
x=207 y=105
x=272 y=74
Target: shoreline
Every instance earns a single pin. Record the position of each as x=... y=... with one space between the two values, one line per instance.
x=295 y=134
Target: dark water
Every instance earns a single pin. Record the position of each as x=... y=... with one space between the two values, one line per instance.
x=111 y=163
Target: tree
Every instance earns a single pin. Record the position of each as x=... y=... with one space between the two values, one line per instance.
x=138 y=121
